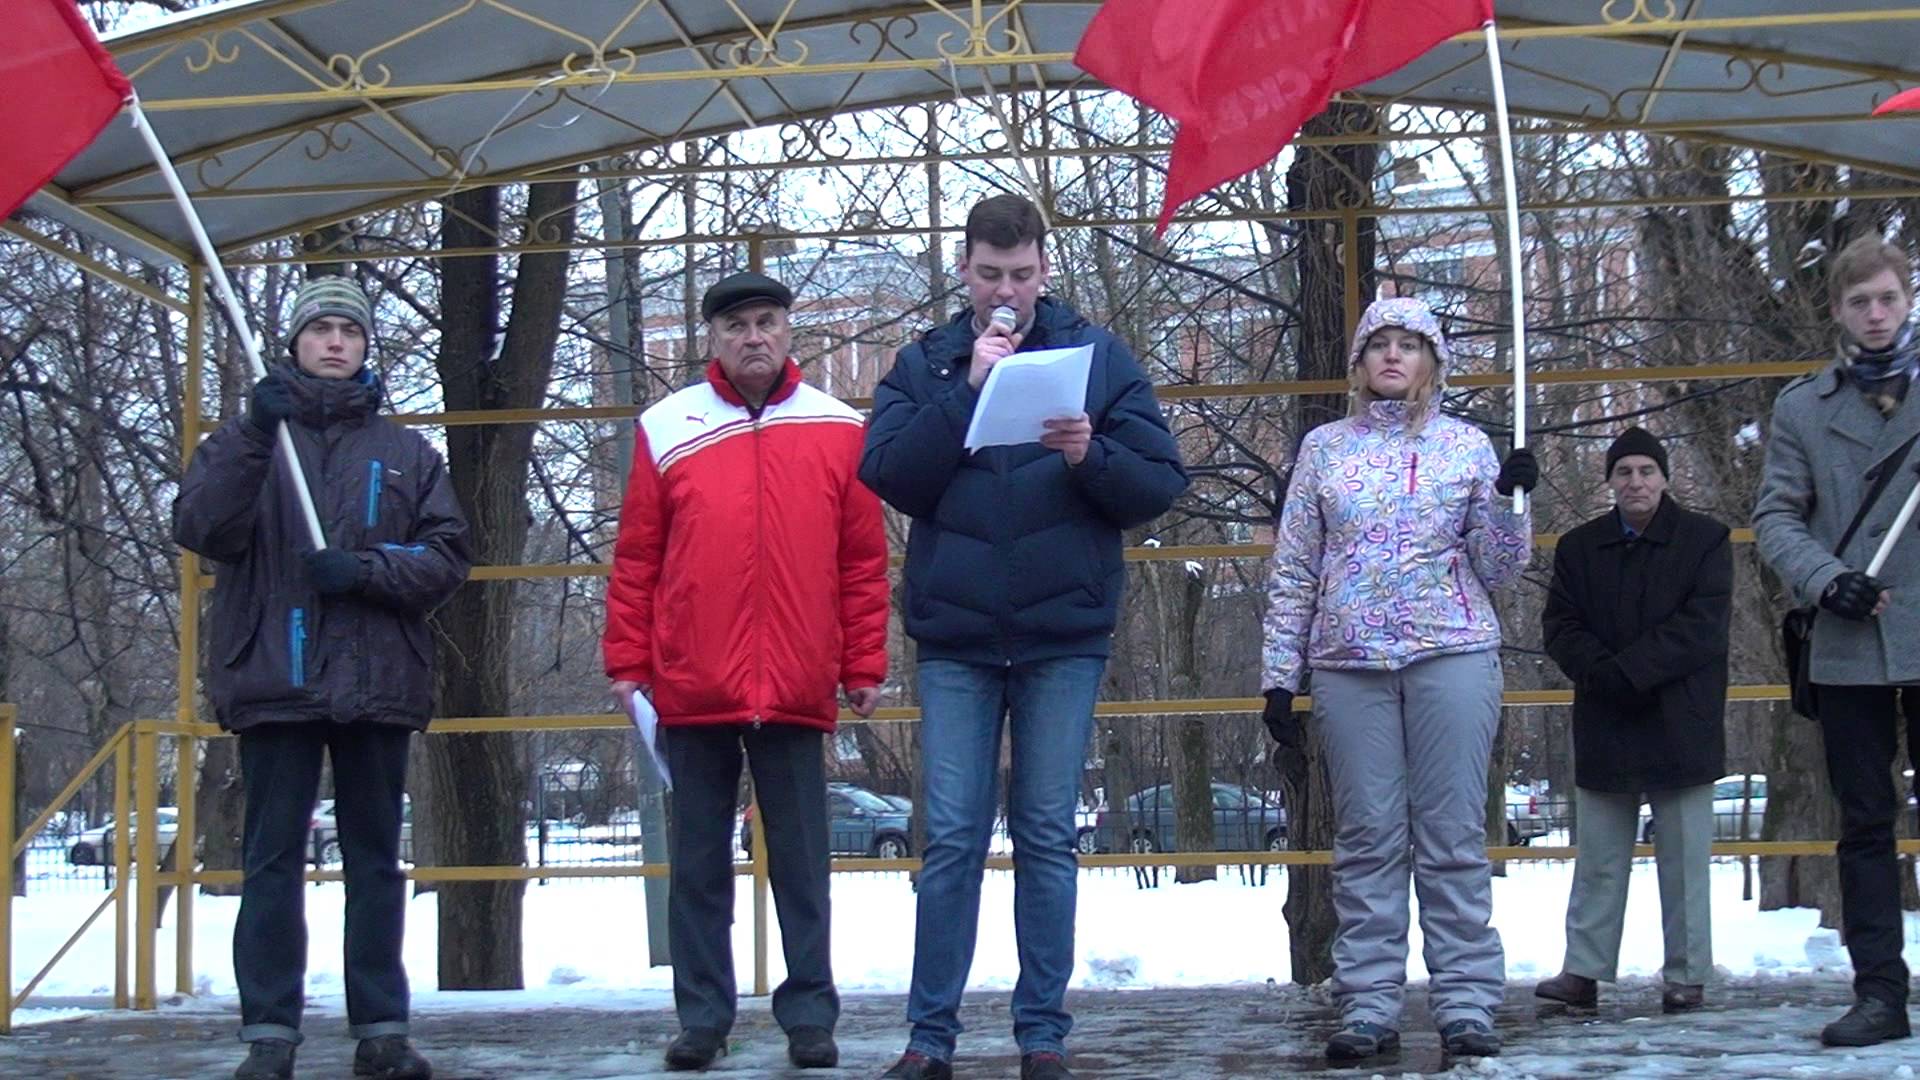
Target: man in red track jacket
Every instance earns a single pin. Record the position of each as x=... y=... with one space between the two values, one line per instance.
x=749 y=582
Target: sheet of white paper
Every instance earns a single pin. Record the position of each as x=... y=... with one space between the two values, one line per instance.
x=647 y=722
x=1026 y=390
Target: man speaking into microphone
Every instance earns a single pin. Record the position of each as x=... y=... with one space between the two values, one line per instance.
x=1013 y=584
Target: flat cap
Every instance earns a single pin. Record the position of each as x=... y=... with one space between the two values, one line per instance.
x=743 y=288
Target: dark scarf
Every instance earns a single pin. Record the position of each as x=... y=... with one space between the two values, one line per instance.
x=1883 y=375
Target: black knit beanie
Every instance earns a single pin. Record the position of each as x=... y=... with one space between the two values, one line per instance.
x=1637 y=440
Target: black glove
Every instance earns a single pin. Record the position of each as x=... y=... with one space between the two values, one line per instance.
x=334 y=571
x=1608 y=679
x=272 y=402
x=1852 y=595
x=1520 y=470
x=1289 y=733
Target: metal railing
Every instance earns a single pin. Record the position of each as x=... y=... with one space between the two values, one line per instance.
x=134 y=754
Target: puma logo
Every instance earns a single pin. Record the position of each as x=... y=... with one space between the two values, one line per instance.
x=700 y=419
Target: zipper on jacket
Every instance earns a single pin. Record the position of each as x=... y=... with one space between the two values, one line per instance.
x=1460 y=588
x=759 y=564
x=376 y=476
x=1413 y=472
x=297 y=645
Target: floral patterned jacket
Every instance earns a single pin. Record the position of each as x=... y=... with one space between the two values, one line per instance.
x=1388 y=547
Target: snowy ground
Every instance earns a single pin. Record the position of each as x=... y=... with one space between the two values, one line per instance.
x=1143 y=954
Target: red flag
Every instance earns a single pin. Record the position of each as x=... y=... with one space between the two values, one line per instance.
x=1904 y=101
x=1239 y=77
x=61 y=89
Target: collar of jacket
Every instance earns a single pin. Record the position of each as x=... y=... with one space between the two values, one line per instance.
x=789 y=382
x=949 y=346
x=1658 y=531
x=322 y=403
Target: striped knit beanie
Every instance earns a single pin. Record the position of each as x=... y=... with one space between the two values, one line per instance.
x=335 y=296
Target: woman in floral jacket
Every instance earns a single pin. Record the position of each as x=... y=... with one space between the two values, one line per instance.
x=1396 y=528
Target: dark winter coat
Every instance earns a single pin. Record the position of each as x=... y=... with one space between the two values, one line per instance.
x=1013 y=556
x=277 y=651
x=1640 y=625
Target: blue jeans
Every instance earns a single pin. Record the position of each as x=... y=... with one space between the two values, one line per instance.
x=1050 y=703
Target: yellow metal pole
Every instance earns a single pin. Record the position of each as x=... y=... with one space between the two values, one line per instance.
x=1350 y=265
x=122 y=863
x=759 y=901
x=146 y=901
x=7 y=780
x=188 y=747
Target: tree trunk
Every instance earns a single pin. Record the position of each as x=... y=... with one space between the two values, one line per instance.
x=1323 y=178
x=1192 y=796
x=480 y=922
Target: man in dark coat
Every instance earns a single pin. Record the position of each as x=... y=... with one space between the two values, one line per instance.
x=1013 y=581
x=326 y=652
x=1637 y=617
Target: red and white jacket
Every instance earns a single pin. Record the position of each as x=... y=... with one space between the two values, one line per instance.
x=750 y=573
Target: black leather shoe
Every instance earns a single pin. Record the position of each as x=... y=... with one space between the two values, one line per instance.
x=267 y=1059
x=696 y=1048
x=1362 y=1039
x=914 y=1065
x=1681 y=998
x=390 y=1057
x=1044 y=1065
x=1569 y=989
x=1469 y=1038
x=1870 y=1021
x=812 y=1047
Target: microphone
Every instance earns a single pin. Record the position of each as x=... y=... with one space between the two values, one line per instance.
x=1005 y=318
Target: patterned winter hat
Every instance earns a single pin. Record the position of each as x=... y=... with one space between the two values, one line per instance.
x=336 y=296
x=1406 y=313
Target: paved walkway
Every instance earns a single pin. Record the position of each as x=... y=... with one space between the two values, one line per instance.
x=1758 y=1028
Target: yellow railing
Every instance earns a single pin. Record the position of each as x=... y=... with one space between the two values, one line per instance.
x=134 y=753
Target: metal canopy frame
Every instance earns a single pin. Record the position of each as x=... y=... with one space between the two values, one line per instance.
x=291 y=115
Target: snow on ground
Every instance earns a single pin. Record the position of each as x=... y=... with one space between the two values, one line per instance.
x=586 y=937
x=1187 y=980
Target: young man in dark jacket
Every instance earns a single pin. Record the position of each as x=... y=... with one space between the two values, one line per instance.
x=326 y=652
x=1637 y=616
x=1013 y=583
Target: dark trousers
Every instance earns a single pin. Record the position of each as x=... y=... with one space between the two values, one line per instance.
x=280 y=765
x=789 y=778
x=1860 y=725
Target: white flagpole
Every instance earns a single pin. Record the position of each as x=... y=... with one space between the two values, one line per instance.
x=1516 y=274
x=224 y=287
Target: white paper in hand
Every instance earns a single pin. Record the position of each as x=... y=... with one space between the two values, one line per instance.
x=1026 y=390
x=647 y=722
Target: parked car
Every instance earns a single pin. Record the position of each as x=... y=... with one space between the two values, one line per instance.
x=859 y=822
x=1525 y=822
x=1729 y=809
x=325 y=840
x=95 y=846
x=1243 y=820
x=899 y=802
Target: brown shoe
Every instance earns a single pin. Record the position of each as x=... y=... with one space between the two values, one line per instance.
x=1679 y=998
x=1569 y=989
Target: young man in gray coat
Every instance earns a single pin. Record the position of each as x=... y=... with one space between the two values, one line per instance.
x=1637 y=616
x=1832 y=430
x=322 y=654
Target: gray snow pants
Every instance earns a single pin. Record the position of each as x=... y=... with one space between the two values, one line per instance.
x=1407 y=752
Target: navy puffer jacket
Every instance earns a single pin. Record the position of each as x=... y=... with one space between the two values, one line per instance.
x=1013 y=556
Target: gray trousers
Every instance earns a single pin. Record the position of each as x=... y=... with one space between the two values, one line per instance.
x=1407 y=753
x=1682 y=846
